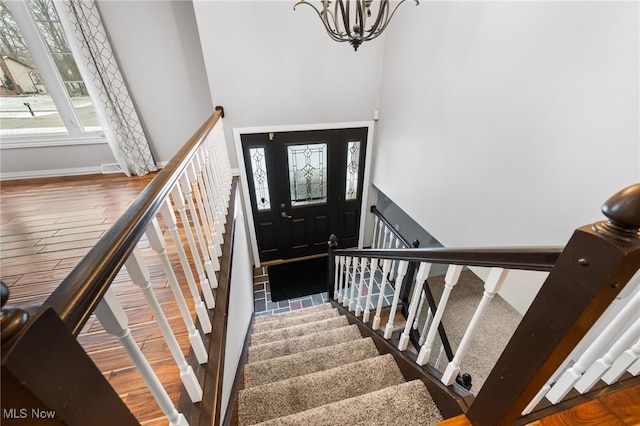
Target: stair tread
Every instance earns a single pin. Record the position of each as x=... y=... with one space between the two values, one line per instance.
x=273 y=370
x=302 y=343
x=287 y=321
x=266 y=402
x=291 y=314
x=298 y=330
x=405 y=404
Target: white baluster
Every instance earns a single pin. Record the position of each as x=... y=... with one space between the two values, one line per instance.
x=386 y=265
x=336 y=289
x=363 y=267
x=441 y=354
x=602 y=365
x=635 y=368
x=207 y=223
x=345 y=291
x=402 y=270
x=213 y=196
x=450 y=280
x=491 y=287
x=623 y=362
x=166 y=211
x=536 y=400
x=341 y=279
x=421 y=277
x=157 y=244
x=204 y=252
x=375 y=230
x=115 y=322
x=423 y=297
x=139 y=274
x=570 y=377
x=370 y=286
x=178 y=199
x=352 y=292
x=425 y=327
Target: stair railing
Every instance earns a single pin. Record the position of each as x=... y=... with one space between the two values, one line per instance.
x=381 y=228
x=585 y=279
x=44 y=366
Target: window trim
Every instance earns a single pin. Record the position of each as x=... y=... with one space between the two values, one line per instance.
x=73 y=133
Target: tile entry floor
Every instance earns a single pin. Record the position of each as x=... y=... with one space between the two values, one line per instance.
x=263 y=305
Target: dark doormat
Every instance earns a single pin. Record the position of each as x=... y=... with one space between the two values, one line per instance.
x=297 y=279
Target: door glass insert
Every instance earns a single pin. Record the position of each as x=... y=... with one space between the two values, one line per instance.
x=260 y=180
x=308 y=174
x=353 y=167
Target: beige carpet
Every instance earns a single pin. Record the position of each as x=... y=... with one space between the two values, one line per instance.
x=319 y=371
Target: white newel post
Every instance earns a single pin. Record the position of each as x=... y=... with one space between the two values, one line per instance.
x=115 y=322
x=372 y=278
x=363 y=267
x=386 y=265
x=570 y=377
x=450 y=280
x=157 y=244
x=421 y=277
x=139 y=274
x=402 y=270
x=491 y=287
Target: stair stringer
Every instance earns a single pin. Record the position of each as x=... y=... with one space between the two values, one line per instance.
x=451 y=400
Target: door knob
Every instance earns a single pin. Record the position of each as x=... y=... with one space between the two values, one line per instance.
x=285 y=215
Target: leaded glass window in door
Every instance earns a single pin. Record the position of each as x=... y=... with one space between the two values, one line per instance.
x=352 y=170
x=260 y=179
x=307 y=173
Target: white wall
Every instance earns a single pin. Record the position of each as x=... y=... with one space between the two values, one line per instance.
x=270 y=65
x=157 y=47
x=240 y=303
x=514 y=120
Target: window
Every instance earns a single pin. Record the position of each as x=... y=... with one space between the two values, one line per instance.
x=41 y=90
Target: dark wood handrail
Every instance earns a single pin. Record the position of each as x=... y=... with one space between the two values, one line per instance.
x=81 y=291
x=394 y=231
x=534 y=259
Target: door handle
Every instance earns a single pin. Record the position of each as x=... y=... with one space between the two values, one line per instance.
x=285 y=215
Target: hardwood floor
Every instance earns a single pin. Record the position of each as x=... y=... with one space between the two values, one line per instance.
x=46 y=227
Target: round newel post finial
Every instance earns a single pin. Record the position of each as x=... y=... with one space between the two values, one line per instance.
x=623 y=212
x=333 y=241
x=11 y=319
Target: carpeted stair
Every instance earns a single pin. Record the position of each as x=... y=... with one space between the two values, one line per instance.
x=310 y=367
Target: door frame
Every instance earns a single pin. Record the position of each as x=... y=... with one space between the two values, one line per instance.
x=242 y=168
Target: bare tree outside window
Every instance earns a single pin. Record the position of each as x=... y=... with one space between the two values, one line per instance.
x=26 y=105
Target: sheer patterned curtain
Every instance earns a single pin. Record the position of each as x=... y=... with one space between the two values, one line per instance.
x=83 y=24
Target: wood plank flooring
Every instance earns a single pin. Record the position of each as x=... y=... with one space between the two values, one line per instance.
x=46 y=227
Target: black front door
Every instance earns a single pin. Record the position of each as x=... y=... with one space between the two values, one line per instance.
x=304 y=187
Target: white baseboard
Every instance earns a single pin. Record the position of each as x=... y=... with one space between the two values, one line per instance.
x=51 y=173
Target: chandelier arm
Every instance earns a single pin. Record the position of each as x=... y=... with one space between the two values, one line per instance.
x=326 y=26
x=383 y=11
x=360 y=20
x=378 y=31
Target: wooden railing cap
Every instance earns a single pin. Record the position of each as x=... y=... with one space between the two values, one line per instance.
x=623 y=209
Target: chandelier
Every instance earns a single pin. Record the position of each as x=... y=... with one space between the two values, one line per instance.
x=355 y=21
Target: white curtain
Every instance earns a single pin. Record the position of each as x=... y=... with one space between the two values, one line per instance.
x=88 y=38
